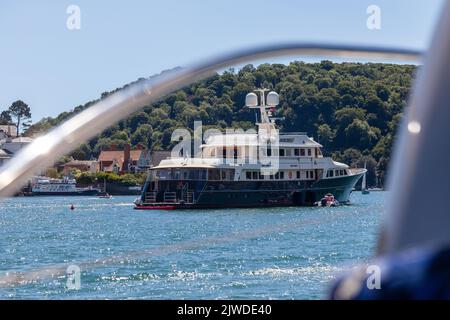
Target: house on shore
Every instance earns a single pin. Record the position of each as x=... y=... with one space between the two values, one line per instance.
x=10 y=144
x=124 y=161
x=157 y=156
x=91 y=166
x=13 y=145
x=8 y=130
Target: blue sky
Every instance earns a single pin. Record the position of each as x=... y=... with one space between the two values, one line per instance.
x=54 y=69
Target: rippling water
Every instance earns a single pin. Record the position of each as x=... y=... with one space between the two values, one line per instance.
x=272 y=253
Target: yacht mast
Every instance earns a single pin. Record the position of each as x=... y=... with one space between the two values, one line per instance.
x=266 y=107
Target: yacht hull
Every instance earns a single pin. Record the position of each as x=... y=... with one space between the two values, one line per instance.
x=251 y=194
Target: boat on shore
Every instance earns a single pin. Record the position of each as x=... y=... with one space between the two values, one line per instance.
x=262 y=168
x=44 y=186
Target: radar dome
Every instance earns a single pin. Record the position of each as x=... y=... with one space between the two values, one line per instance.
x=272 y=98
x=251 y=100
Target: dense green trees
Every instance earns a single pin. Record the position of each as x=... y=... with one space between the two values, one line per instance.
x=352 y=109
x=5 y=117
x=18 y=113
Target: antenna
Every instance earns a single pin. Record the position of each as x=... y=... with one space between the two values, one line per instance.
x=272 y=100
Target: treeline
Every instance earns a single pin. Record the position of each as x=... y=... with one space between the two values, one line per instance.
x=352 y=109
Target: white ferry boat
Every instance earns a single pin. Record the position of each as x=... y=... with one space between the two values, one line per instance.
x=260 y=169
x=44 y=186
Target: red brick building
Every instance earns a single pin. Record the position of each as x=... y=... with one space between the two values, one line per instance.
x=120 y=161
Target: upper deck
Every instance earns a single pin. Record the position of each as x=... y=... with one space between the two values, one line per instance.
x=288 y=139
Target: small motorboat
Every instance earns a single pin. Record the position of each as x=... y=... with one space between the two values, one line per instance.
x=327 y=201
x=104 y=195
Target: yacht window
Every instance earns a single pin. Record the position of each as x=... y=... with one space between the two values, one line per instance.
x=248 y=175
x=185 y=174
x=164 y=174
x=235 y=152
x=223 y=175
x=271 y=177
x=311 y=174
x=214 y=174
x=194 y=174
x=277 y=175
x=269 y=151
x=309 y=152
x=288 y=152
x=224 y=153
x=296 y=152
x=202 y=174
x=298 y=174
x=331 y=173
x=281 y=174
x=281 y=152
x=341 y=172
x=302 y=152
x=255 y=175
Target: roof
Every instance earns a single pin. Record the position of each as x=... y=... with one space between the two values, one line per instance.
x=118 y=155
x=191 y=163
x=22 y=140
x=340 y=165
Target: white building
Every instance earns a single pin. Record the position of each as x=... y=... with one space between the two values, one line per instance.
x=8 y=130
x=15 y=144
x=4 y=156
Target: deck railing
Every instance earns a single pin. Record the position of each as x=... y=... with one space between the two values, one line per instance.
x=170 y=197
x=189 y=197
x=150 y=197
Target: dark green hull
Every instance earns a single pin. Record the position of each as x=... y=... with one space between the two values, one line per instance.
x=252 y=194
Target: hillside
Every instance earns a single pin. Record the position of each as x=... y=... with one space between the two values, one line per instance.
x=352 y=109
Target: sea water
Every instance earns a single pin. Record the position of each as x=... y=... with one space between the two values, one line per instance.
x=269 y=253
